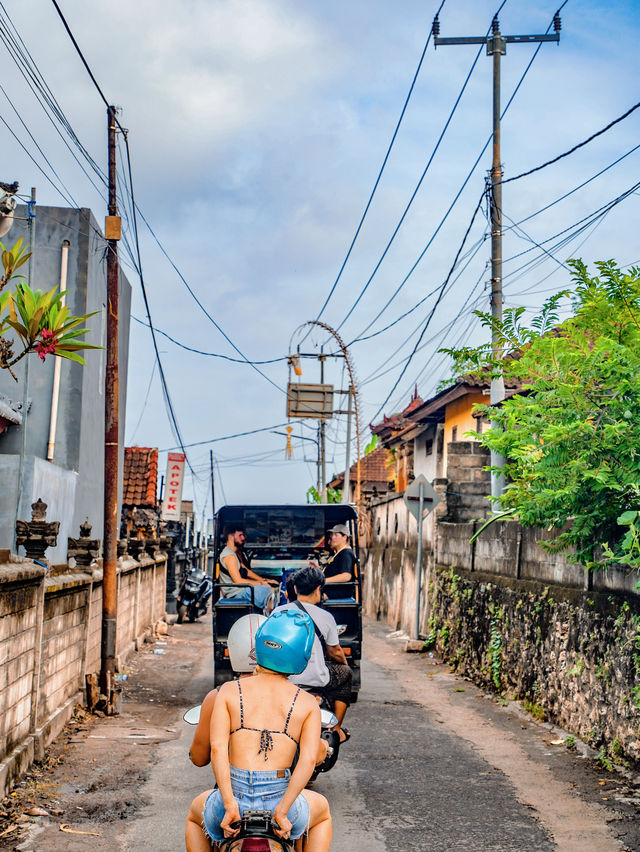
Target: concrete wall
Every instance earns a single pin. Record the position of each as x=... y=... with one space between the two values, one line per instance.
x=80 y=428
x=50 y=631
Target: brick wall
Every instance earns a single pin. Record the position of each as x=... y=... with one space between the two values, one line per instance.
x=50 y=634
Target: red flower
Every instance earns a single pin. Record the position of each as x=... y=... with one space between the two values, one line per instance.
x=47 y=344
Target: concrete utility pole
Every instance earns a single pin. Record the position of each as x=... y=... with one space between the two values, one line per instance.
x=496 y=47
x=322 y=448
x=346 y=487
x=111 y=434
x=213 y=495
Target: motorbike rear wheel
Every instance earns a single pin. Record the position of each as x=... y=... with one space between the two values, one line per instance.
x=182 y=610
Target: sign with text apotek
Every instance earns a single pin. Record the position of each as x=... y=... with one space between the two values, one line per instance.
x=172 y=498
x=412 y=497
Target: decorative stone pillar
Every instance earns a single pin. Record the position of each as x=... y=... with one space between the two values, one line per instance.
x=38 y=534
x=85 y=550
x=123 y=548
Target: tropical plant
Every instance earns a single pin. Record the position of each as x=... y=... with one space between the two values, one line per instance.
x=41 y=321
x=571 y=437
x=334 y=495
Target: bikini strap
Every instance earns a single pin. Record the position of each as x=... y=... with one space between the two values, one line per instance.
x=286 y=724
x=241 y=706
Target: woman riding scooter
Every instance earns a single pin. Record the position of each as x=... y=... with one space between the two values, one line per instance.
x=241 y=646
x=256 y=728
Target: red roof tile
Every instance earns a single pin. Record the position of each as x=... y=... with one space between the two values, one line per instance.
x=373 y=468
x=140 y=480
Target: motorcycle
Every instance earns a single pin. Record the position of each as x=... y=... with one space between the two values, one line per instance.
x=194 y=594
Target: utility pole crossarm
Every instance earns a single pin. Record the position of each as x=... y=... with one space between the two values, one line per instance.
x=513 y=39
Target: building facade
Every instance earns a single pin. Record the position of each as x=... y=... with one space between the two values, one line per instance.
x=66 y=469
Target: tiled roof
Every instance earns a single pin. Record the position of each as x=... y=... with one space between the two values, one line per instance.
x=140 y=476
x=373 y=468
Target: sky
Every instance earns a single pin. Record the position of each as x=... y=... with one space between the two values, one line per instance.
x=257 y=129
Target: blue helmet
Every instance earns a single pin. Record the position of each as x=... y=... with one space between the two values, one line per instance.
x=284 y=641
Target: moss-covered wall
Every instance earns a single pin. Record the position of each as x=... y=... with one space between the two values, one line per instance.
x=572 y=656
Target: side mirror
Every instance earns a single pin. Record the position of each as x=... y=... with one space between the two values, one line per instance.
x=192 y=716
x=327 y=717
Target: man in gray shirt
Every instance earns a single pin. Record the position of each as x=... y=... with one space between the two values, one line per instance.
x=327 y=671
x=233 y=572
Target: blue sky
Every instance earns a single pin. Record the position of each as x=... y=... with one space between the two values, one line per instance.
x=257 y=128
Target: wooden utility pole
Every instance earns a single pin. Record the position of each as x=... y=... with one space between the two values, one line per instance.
x=111 y=435
x=496 y=47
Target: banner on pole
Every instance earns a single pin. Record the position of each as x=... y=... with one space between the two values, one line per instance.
x=172 y=499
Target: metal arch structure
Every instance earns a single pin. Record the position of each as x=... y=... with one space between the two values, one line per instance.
x=354 y=392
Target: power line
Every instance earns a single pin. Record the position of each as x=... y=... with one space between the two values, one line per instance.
x=464 y=184
x=208 y=354
x=433 y=310
x=228 y=437
x=169 y=404
x=575 y=147
x=416 y=189
x=382 y=168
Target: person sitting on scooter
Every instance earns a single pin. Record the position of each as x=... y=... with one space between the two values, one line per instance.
x=233 y=572
x=241 y=646
x=328 y=671
x=257 y=727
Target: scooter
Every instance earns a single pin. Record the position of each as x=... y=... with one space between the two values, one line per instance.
x=195 y=592
x=256 y=835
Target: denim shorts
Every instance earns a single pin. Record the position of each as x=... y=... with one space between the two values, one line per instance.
x=255 y=791
x=260 y=595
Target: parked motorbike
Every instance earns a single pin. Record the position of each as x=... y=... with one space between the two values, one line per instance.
x=194 y=594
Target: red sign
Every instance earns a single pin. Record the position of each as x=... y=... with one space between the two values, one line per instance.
x=172 y=498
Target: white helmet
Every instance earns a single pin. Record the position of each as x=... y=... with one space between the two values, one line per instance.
x=241 y=642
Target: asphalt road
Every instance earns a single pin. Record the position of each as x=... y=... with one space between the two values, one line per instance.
x=432 y=764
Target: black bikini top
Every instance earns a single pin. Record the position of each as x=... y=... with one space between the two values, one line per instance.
x=266 y=738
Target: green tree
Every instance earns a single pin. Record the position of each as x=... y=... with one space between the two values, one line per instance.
x=334 y=495
x=40 y=321
x=571 y=438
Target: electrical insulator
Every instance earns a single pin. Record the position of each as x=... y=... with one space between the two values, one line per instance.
x=495 y=26
x=435 y=27
x=557 y=23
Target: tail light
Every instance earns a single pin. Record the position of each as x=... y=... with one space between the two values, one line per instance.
x=255 y=844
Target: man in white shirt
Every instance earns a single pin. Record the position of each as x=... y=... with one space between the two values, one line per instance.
x=327 y=671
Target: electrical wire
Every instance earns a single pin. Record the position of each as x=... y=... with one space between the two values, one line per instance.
x=208 y=354
x=433 y=310
x=464 y=184
x=381 y=170
x=575 y=147
x=165 y=389
x=417 y=188
x=229 y=437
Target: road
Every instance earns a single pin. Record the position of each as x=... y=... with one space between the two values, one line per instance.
x=433 y=764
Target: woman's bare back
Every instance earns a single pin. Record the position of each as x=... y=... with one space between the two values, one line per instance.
x=266 y=714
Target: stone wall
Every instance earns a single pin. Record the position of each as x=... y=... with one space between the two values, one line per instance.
x=510 y=613
x=571 y=655
x=50 y=633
